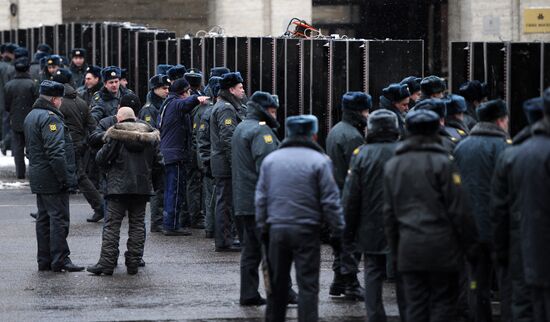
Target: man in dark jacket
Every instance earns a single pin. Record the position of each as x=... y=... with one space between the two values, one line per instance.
x=475 y=93
x=454 y=120
x=226 y=115
x=105 y=102
x=202 y=118
x=159 y=87
x=296 y=192
x=78 y=67
x=342 y=140
x=396 y=98
x=80 y=124
x=51 y=174
x=528 y=172
x=6 y=73
x=476 y=157
x=133 y=166
x=20 y=94
x=175 y=145
x=253 y=140
x=506 y=217
x=440 y=107
x=432 y=87
x=363 y=200
x=92 y=84
x=427 y=223
x=413 y=85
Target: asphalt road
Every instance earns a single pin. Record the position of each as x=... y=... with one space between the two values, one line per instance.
x=184 y=279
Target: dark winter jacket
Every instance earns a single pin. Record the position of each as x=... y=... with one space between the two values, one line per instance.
x=470 y=116
x=49 y=149
x=203 y=140
x=363 y=195
x=7 y=71
x=253 y=140
x=79 y=73
x=131 y=159
x=77 y=117
x=96 y=137
x=175 y=128
x=105 y=103
x=198 y=128
x=296 y=187
x=20 y=95
x=528 y=171
x=150 y=112
x=342 y=140
x=387 y=104
x=476 y=157
x=427 y=221
x=87 y=93
x=227 y=113
x=456 y=128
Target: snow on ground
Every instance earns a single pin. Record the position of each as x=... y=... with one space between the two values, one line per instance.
x=7 y=160
x=13 y=184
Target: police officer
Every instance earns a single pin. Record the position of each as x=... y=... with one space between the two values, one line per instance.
x=432 y=87
x=301 y=172
x=202 y=118
x=105 y=102
x=133 y=166
x=52 y=174
x=80 y=124
x=440 y=108
x=342 y=140
x=175 y=145
x=253 y=140
x=476 y=157
x=216 y=72
x=21 y=93
x=526 y=171
x=6 y=70
x=427 y=223
x=78 y=66
x=194 y=174
x=504 y=204
x=92 y=84
x=159 y=87
x=475 y=93
x=413 y=85
x=454 y=120
x=53 y=63
x=42 y=51
x=363 y=200
x=396 y=98
x=176 y=72
x=226 y=115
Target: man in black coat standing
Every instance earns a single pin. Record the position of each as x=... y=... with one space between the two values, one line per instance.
x=20 y=94
x=427 y=222
x=133 y=166
x=52 y=175
x=342 y=141
x=363 y=200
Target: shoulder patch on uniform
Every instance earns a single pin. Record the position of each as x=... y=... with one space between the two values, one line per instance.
x=453 y=138
x=202 y=126
x=356 y=151
x=194 y=125
x=147 y=118
x=451 y=157
x=268 y=138
x=508 y=141
x=228 y=122
x=262 y=123
x=96 y=98
x=53 y=127
x=457 y=180
x=460 y=132
x=51 y=113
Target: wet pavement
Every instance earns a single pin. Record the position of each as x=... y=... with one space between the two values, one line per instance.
x=184 y=279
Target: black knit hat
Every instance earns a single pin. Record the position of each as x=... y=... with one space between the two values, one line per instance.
x=422 y=122
x=62 y=75
x=433 y=104
x=491 y=111
x=132 y=101
x=230 y=79
x=382 y=120
x=533 y=109
x=413 y=83
x=51 y=88
x=264 y=99
x=396 y=92
x=356 y=101
x=432 y=85
x=179 y=86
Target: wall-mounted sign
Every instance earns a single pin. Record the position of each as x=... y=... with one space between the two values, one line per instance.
x=536 y=20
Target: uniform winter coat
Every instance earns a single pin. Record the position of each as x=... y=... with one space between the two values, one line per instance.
x=226 y=115
x=363 y=195
x=151 y=110
x=529 y=173
x=427 y=222
x=49 y=149
x=77 y=117
x=456 y=128
x=387 y=104
x=476 y=157
x=470 y=116
x=342 y=140
x=203 y=139
x=20 y=94
x=175 y=128
x=253 y=140
x=131 y=159
x=197 y=114
x=296 y=187
x=96 y=137
x=105 y=103
x=87 y=93
x=79 y=73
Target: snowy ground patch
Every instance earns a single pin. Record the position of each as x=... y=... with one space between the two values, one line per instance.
x=13 y=185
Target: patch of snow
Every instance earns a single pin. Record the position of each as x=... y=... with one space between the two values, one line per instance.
x=13 y=185
x=7 y=160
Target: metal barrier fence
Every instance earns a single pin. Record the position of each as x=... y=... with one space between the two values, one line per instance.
x=308 y=75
